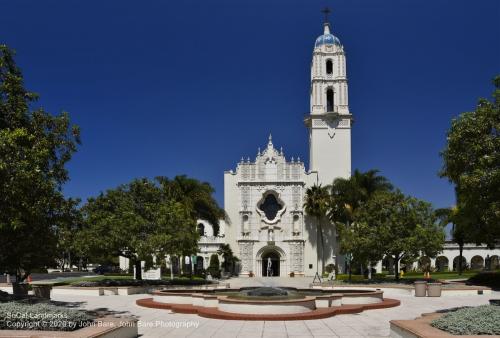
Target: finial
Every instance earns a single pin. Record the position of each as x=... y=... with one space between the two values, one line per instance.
x=281 y=150
x=298 y=159
x=270 y=138
x=326 y=25
x=258 y=152
x=293 y=159
x=248 y=159
x=242 y=160
x=326 y=11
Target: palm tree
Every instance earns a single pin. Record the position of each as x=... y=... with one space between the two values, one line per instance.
x=316 y=205
x=197 y=195
x=347 y=195
x=458 y=232
x=229 y=259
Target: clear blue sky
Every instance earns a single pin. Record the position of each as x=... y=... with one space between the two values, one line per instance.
x=185 y=87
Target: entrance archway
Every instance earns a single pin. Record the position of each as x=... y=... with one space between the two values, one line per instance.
x=271 y=264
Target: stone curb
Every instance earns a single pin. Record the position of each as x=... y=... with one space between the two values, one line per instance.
x=214 y=313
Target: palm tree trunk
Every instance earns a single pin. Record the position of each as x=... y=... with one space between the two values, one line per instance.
x=317 y=250
x=322 y=248
x=460 y=258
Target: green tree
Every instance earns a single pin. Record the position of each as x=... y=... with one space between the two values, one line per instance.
x=459 y=231
x=347 y=197
x=472 y=163
x=67 y=232
x=316 y=206
x=138 y=221
x=229 y=259
x=197 y=196
x=402 y=227
x=214 y=266
x=34 y=149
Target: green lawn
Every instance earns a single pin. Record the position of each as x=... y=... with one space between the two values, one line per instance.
x=442 y=275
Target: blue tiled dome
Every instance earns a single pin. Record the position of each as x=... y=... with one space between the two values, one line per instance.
x=327 y=39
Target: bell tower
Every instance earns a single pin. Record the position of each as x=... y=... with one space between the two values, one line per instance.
x=329 y=121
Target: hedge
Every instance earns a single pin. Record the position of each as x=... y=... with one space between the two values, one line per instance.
x=491 y=279
x=134 y=282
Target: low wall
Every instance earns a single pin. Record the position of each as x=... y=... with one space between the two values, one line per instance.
x=266 y=307
x=325 y=299
x=215 y=313
x=79 y=291
x=421 y=328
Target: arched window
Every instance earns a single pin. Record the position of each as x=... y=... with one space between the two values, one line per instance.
x=329 y=99
x=329 y=66
x=201 y=229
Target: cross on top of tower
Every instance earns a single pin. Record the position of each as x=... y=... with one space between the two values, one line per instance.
x=326 y=11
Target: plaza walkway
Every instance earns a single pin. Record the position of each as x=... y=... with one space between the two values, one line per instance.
x=373 y=323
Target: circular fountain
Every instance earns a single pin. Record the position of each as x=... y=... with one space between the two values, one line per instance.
x=265 y=291
x=268 y=303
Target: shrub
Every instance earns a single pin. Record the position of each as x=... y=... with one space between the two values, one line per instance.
x=41 y=316
x=480 y=320
x=379 y=276
x=4 y=296
x=119 y=274
x=491 y=279
x=134 y=282
x=345 y=277
x=329 y=268
x=214 y=267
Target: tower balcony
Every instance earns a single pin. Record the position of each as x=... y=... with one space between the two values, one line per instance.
x=331 y=77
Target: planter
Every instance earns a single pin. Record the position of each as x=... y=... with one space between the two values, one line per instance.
x=434 y=289
x=42 y=291
x=20 y=289
x=495 y=302
x=420 y=288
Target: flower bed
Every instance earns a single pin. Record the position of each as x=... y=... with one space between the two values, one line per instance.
x=41 y=316
x=480 y=320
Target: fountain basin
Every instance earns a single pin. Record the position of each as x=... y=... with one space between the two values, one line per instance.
x=254 y=301
x=283 y=306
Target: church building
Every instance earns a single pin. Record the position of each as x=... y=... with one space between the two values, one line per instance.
x=267 y=226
